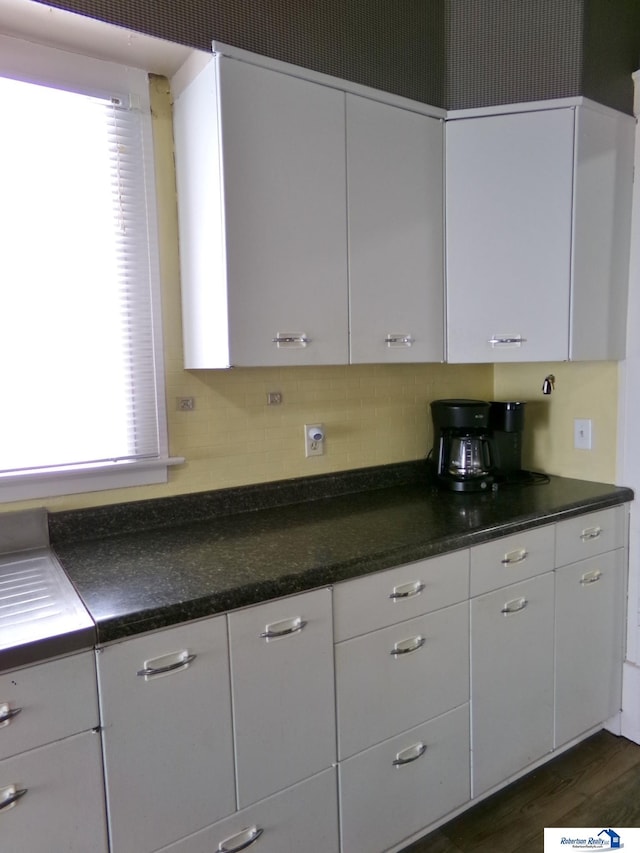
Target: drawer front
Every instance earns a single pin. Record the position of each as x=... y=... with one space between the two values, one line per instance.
x=63 y=807
x=302 y=819
x=283 y=693
x=168 y=743
x=395 y=678
x=395 y=789
x=589 y=535
x=387 y=597
x=43 y=703
x=511 y=559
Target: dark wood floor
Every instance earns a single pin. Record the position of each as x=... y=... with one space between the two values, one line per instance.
x=595 y=783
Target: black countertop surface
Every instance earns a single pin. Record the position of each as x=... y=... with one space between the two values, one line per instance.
x=152 y=564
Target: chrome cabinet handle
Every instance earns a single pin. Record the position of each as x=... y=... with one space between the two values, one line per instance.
x=590 y=533
x=514 y=606
x=399 y=340
x=406 y=590
x=13 y=795
x=591 y=577
x=241 y=840
x=7 y=713
x=409 y=755
x=282 y=629
x=516 y=556
x=184 y=661
x=497 y=341
x=405 y=647
x=291 y=339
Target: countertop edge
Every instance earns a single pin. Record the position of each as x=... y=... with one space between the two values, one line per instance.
x=115 y=629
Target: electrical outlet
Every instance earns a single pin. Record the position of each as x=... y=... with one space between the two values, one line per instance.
x=313 y=440
x=582 y=434
x=185 y=404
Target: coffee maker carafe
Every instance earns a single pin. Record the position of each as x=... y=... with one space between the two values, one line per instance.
x=461 y=448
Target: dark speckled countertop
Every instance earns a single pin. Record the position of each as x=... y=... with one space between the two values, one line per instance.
x=156 y=563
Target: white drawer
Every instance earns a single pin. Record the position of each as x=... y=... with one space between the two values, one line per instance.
x=395 y=678
x=391 y=596
x=62 y=808
x=511 y=559
x=590 y=535
x=302 y=818
x=383 y=803
x=53 y=700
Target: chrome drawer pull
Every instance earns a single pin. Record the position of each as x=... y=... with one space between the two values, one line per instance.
x=590 y=533
x=514 y=606
x=409 y=755
x=497 y=340
x=516 y=556
x=184 y=662
x=242 y=840
x=399 y=340
x=407 y=590
x=591 y=577
x=7 y=713
x=291 y=339
x=405 y=647
x=282 y=629
x=12 y=795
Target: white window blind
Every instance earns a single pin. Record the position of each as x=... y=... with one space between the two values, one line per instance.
x=79 y=379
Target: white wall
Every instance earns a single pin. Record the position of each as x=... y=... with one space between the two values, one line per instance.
x=629 y=460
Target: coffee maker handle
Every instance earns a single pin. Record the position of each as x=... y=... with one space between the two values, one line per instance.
x=488 y=453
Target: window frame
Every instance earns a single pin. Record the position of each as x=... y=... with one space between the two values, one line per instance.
x=56 y=68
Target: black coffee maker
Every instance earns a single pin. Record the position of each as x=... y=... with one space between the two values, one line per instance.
x=461 y=453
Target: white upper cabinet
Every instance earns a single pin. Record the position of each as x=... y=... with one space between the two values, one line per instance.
x=261 y=181
x=538 y=216
x=395 y=216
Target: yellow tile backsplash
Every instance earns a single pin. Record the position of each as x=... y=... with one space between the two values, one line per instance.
x=373 y=414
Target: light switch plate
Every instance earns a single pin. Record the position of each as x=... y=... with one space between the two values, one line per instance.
x=582 y=434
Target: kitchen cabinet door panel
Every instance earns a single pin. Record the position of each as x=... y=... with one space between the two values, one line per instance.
x=589 y=643
x=509 y=220
x=283 y=693
x=168 y=747
x=512 y=559
x=511 y=679
x=395 y=595
x=56 y=699
x=302 y=819
x=282 y=141
x=397 y=677
x=588 y=535
x=395 y=180
x=397 y=788
x=63 y=807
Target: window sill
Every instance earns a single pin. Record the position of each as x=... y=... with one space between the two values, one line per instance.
x=95 y=478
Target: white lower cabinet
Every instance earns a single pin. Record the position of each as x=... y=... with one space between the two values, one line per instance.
x=51 y=778
x=589 y=643
x=402 y=693
x=397 y=677
x=447 y=677
x=283 y=693
x=166 y=716
x=511 y=679
x=393 y=790
x=52 y=798
x=302 y=819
